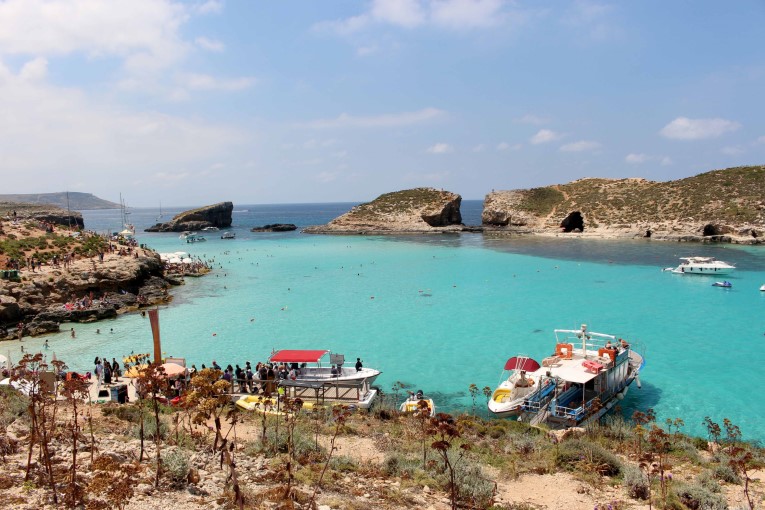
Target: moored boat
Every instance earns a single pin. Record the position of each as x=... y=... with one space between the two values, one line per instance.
x=507 y=399
x=589 y=373
x=702 y=266
x=228 y=235
x=321 y=365
x=195 y=238
x=726 y=284
x=417 y=403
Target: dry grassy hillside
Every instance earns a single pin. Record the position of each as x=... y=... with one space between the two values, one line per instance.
x=734 y=197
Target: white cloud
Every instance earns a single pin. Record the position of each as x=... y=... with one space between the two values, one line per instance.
x=210 y=44
x=364 y=51
x=210 y=6
x=405 y=13
x=733 y=150
x=410 y=14
x=544 y=136
x=384 y=120
x=683 y=128
x=533 y=119
x=580 y=146
x=145 y=33
x=636 y=159
x=440 y=148
x=503 y=146
x=34 y=70
x=761 y=140
x=666 y=161
x=327 y=176
x=98 y=140
x=465 y=14
x=206 y=82
x=479 y=148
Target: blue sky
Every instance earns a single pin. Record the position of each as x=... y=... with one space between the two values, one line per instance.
x=319 y=101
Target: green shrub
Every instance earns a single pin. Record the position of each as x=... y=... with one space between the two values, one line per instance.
x=344 y=464
x=725 y=473
x=176 y=465
x=707 y=480
x=150 y=428
x=581 y=454
x=473 y=489
x=636 y=482
x=399 y=465
x=696 y=496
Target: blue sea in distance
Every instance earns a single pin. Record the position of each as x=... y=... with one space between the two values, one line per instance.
x=442 y=312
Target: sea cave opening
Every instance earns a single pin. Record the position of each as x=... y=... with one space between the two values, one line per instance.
x=574 y=222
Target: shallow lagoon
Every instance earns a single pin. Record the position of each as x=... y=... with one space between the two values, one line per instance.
x=443 y=312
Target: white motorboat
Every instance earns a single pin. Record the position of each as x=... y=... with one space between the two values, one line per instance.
x=762 y=288
x=417 y=403
x=703 y=265
x=589 y=372
x=185 y=234
x=210 y=229
x=726 y=284
x=195 y=238
x=321 y=365
x=228 y=235
x=507 y=399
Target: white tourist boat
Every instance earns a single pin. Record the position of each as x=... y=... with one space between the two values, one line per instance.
x=703 y=265
x=589 y=373
x=228 y=235
x=320 y=378
x=415 y=403
x=195 y=238
x=321 y=365
x=185 y=234
x=210 y=229
x=507 y=399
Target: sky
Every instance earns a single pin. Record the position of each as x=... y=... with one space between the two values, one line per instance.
x=260 y=102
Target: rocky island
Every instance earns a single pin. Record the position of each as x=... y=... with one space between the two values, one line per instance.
x=216 y=215
x=717 y=206
x=275 y=227
x=413 y=211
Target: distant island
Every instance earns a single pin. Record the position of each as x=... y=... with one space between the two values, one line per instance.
x=216 y=215
x=718 y=206
x=71 y=200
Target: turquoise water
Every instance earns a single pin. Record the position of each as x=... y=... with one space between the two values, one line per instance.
x=443 y=312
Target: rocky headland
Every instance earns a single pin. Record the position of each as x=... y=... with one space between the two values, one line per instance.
x=59 y=277
x=72 y=200
x=717 y=206
x=275 y=227
x=216 y=215
x=413 y=211
x=47 y=213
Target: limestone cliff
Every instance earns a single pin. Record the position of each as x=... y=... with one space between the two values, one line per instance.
x=41 y=212
x=409 y=211
x=721 y=205
x=216 y=215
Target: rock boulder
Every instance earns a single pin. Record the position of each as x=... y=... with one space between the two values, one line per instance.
x=216 y=215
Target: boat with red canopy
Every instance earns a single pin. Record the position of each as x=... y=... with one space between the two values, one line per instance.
x=517 y=384
x=322 y=365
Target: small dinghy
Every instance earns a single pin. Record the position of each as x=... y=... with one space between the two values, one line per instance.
x=417 y=403
x=725 y=284
x=762 y=288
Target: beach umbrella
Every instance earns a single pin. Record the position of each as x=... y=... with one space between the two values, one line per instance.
x=187 y=260
x=173 y=369
x=521 y=363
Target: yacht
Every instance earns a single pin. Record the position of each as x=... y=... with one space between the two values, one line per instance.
x=585 y=377
x=703 y=265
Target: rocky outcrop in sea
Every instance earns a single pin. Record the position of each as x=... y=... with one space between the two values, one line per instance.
x=419 y=210
x=216 y=215
x=275 y=227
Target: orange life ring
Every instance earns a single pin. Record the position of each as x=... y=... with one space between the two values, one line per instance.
x=611 y=353
x=564 y=351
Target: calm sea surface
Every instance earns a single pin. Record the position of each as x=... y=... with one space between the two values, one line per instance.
x=445 y=311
